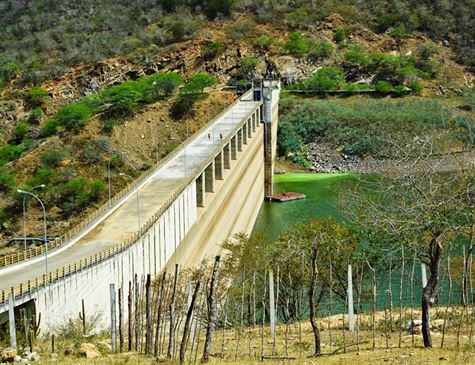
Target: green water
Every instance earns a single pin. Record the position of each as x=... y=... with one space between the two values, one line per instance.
x=322 y=191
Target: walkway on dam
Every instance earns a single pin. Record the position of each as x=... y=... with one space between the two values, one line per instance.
x=154 y=191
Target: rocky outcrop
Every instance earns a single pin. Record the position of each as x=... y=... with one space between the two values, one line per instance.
x=8 y=354
x=325 y=157
x=89 y=351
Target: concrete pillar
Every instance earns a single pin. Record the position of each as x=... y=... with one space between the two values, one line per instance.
x=219 y=166
x=233 y=144
x=244 y=133
x=249 y=128
x=200 y=190
x=254 y=121
x=239 y=140
x=227 y=155
x=210 y=178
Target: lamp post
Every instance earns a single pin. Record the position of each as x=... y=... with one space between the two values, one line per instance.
x=44 y=223
x=137 y=194
x=24 y=214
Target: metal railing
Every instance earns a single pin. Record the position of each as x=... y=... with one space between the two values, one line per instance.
x=58 y=274
x=91 y=219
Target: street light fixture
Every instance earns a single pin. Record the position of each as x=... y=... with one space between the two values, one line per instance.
x=24 y=214
x=137 y=194
x=44 y=223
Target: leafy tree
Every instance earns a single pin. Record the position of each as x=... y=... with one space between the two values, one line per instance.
x=200 y=81
x=340 y=35
x=297 y=45
x=216 y=7
x=167 y=83
x=42 y=176
x=247 y=65
x=288 y=139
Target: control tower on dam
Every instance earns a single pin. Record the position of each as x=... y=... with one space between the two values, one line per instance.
x=178 y=213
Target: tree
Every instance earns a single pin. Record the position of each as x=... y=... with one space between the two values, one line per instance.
x=419 y=204
x=200 y=81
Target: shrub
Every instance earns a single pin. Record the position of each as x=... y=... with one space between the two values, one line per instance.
x=340 y=35
x=325 y=79
x=109 y=124
x=288 y=139
x=319 y=50
x=50 y=127
x=399 y=33
x=7 y=180
x=247 y=65
x=94 y=151
x=297 y=45
x=211 y=50
x=117 y=160
x=200 y=81
x=77 y=193
x=297 y=18
x=53 y=158
x=20 y=132
x=356 y=54
x=384 y=87
x=416 y=87
x=426 y=50
x=216 y=7
x=9 y=153
x=241 y=30
x=264 y=42
x=35 y=115
x=166 y=83
x=74 y=116
x=42 y=176
x=9 y=70
x=37 y=96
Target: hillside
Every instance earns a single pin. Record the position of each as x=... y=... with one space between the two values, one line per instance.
x=59 y=64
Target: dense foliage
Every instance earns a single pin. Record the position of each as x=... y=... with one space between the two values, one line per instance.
x=367 y=126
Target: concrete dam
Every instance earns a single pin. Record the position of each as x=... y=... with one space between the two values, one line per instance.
x=180 y=212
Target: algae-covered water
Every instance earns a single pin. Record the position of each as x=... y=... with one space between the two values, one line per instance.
x=322 y=199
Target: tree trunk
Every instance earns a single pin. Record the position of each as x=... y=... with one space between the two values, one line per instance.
x=311 y=300
x=186 y=329
x=212 y=310
x=431 y=287
x=171 y=334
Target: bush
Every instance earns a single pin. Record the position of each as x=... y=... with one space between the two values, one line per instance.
x=264 y=42
x=9 y=70
x=7 y=180
x=325 y=79
x=166 y=83
x=77 y=194
x=42 y=176
x=53 y=158
x=211 y=50
x=73 y=116
x=20 y=132
x=384 y=87
x=241 y=30
x=121 y=99
x=416 y=87
x=216 y=7
x=94 y=151
x=50 y=127
x=288 y=139
x=247 y=65
x=297 y=45
x=9 y=153
x=319 y=50
x=356 y=54
x=35 y=115
x=340 y=35
x=298 y=18
x=425 y=51
x=200 y=81
x=36 y=96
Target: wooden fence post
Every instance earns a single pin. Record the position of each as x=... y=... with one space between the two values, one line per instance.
x=113 y=318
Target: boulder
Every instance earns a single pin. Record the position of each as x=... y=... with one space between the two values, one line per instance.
x=89 y=351
x=8 y=354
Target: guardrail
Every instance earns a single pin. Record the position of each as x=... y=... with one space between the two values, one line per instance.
x=53 y=276
x=87 y=222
